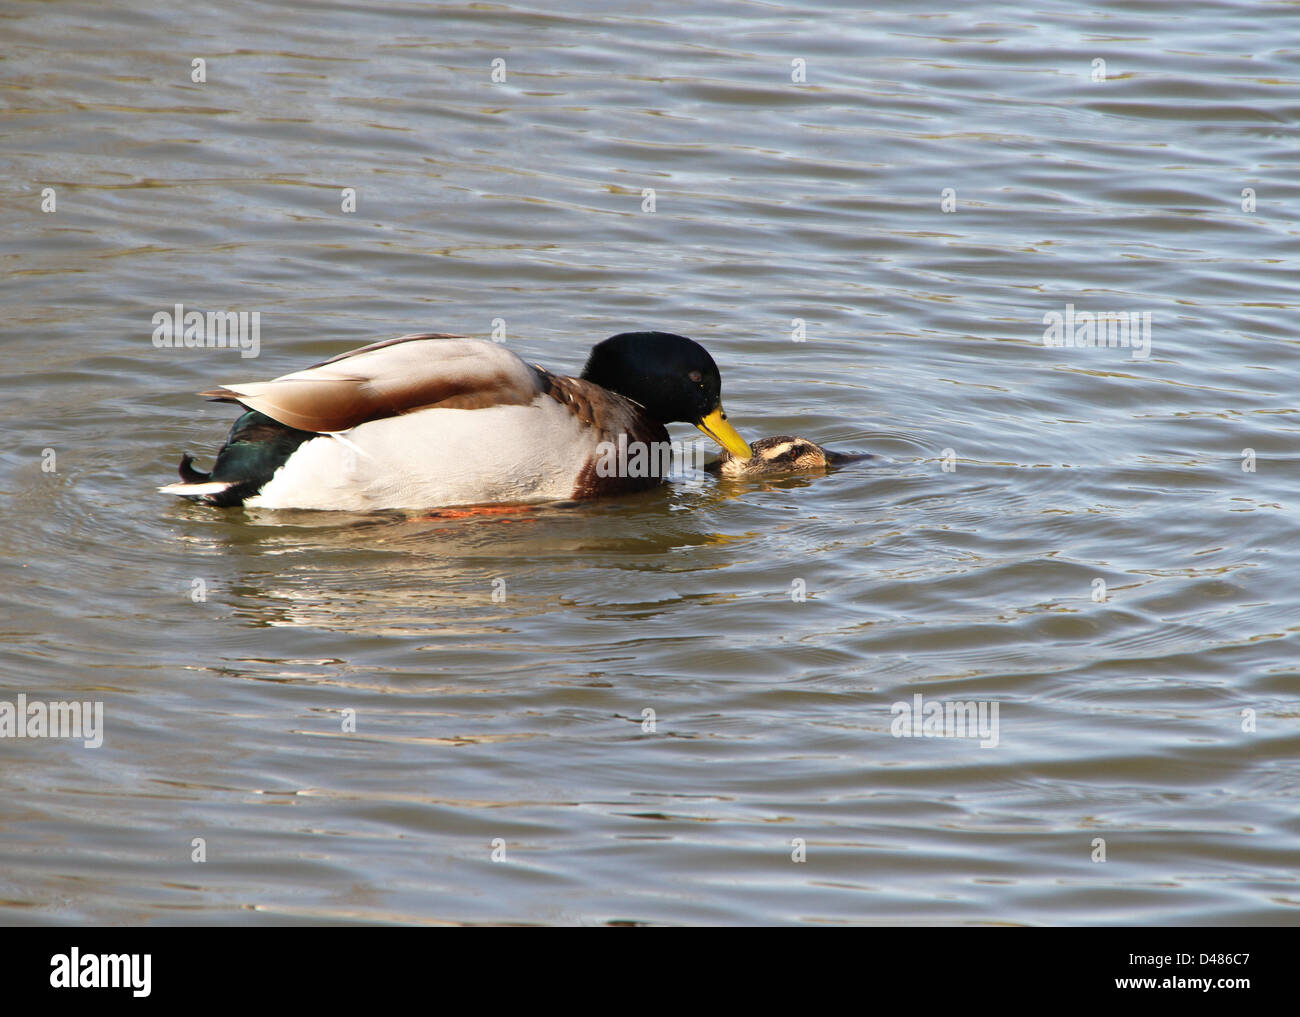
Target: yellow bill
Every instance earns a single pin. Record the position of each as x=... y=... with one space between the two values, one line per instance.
x=716 y=427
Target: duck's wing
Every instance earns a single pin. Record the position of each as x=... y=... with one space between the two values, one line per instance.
x=388 y=378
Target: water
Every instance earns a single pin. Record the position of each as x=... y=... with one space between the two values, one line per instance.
x=1077 y=535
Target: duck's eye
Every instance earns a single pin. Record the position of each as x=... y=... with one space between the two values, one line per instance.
x=696 y=377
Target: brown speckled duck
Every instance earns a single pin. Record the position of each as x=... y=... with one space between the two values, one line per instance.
x=780 y=454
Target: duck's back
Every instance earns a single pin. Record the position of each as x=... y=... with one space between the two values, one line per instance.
x=385 y=379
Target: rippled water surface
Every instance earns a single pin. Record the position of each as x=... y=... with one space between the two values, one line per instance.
x=1100 y=542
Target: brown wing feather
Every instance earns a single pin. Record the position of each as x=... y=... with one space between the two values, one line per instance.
x=389 y=378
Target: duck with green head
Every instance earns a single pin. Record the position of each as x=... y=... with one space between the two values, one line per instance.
x=431 y=420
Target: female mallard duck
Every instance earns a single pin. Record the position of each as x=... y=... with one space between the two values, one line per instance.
x=431 y=420
x=781 y=453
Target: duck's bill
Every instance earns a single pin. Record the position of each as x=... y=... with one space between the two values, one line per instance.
x=845 y=458
x=716 y=427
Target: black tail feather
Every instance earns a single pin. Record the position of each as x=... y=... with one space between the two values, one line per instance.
x=189 y=474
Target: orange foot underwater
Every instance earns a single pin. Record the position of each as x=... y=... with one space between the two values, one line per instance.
x=474 y=511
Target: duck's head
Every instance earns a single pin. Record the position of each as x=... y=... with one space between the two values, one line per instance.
x=673 y=377
x=781 y=453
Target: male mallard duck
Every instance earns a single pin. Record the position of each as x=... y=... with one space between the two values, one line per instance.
x=779 y=454
x=431 y=420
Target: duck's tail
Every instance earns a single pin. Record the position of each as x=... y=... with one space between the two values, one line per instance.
x=194 y=483
x=257 y=447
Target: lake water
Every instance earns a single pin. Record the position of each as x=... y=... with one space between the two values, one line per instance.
x=869 y=219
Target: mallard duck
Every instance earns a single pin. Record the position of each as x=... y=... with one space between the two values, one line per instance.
x=781 y=453
x=431 y=420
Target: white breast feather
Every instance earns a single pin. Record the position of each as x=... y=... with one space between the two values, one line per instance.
x=438 y=457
